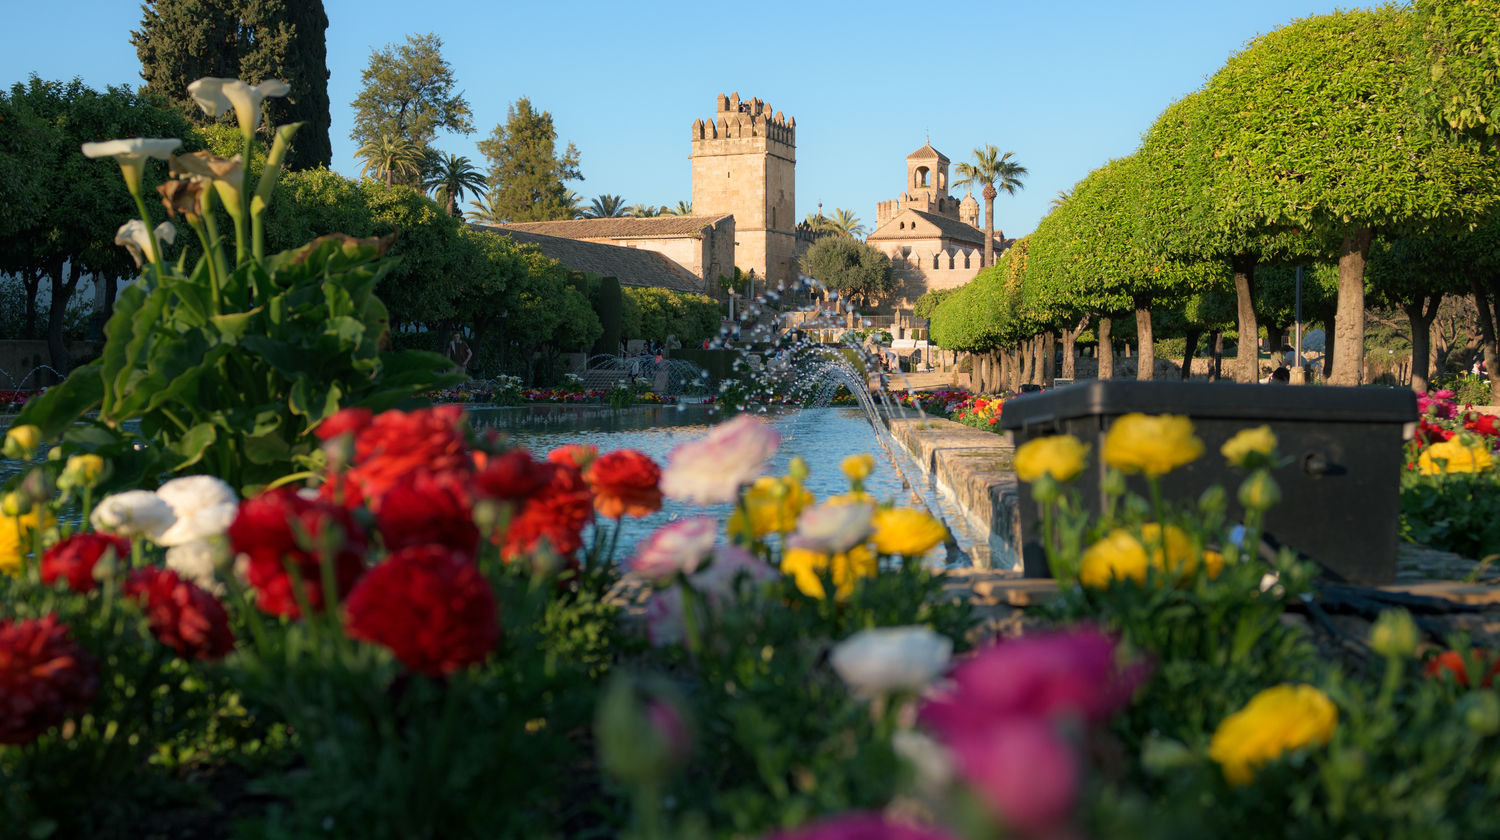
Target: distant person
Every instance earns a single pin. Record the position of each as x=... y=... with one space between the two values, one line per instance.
x=459 y=352
x=1280 y=376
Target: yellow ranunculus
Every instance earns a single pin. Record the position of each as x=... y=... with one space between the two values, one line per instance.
x=1120 y=556
x=1249 y=442
x=1276 y=721
x=1452 y=456
x=1151 y=444
x=1061 y=456
x=858 y=467
x=905 y=531
x=774 y=505
x=15 y=537
x=83 y=470
x=21 y=441
x=808 y=568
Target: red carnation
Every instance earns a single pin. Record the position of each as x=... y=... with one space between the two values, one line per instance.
x=183 y=616
x=556 y=512
x=396 y=443
x=577 y=455
x=44 y=677
x=508 y=475
x=430 y=606
x=426 y=508
x=280 y=527
x=625 y=483
x=73 y=559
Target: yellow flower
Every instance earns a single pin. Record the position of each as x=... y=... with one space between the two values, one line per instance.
x=83 y=470
x=15 y=538
x=808 y=568
x=1276 y=721
x=1061 y=456
x=1247 y=442
x=1259 y=491
x=1154 y=445
x=774 y=505
x=1120 y=556
x=858 y=467
x=1452 y=456
x=905 y=531
x=22 y=441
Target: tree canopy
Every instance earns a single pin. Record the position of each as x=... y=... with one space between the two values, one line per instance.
x=407 y=91
x=526 y=174
x=850 y=267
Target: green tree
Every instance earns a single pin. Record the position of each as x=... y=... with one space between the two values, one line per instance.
x=1457 y=63
x=605 y=206
x=1313 y=127
x=850 y=267
x=450 y=178
x=407 y=91
x=997 y=173
x=526 y=175
x=842 y=223
x=683 y=208
x=391 y=158
x=180 y=41
x=643 y=211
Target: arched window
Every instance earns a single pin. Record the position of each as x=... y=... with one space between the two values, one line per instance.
x=922 y=176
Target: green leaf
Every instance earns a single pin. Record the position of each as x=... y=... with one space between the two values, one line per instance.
x=267 y=449
x=192 y=445
x=61 y=406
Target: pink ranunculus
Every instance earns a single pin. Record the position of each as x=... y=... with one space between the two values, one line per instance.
x=664 y=624
x=1071 y=674
x=715 y=587
x=833 y=528
x=710 y=470
x=860 y=826
x=677 y=547
x=730 y=563
x=1023 y=770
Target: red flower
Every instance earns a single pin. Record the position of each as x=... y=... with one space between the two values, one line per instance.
x=344 y=422
x=183 y=616
x=625 y=483
x=556 y=513
x=73 y=559
x=508 y=475
x=577 y=455
x=1484 y=424
x=44 y=677
x=426 y=508
x=279 y=528
x=430 y=606
x=396 y=443
x=1450 y=663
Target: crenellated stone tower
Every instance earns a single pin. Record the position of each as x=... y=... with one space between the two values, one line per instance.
x=744 y=163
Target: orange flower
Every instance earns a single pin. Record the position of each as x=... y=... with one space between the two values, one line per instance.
x=625 y=483
x=1450 y=663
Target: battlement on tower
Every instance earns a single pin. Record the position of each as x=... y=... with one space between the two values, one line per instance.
x=737 y=118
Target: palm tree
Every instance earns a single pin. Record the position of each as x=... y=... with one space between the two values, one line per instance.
x=842 y=222
x=997 y=172
x=572 y=202
x=643 y=211
x=391 y=156
x=450 y=177
x=486 y=210
x=605 y=207
x=1062 y=198
x=683 y=208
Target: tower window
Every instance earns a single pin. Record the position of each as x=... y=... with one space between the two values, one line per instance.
x=922 y=176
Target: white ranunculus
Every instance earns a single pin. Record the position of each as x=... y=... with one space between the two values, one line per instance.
x=930 y=761
x=199 y=560
x=216 y=96
x=881 y=660
x=204 y=507
x=834 y=527
x=711 y=470
x=133 y=513
x=675 y=548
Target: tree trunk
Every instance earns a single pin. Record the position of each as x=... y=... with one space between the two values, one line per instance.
x=1106 y=349
x=989 y=224
x=1028 y=361
x=1349 y=319
x=1069 y=349
x=1189 y=347
x=1049 y=357
x=33 y=282
x=1145 y=366
x=1421 y=338
x=1216 y=370
x=62 y=291
x=1487 y=335
x=1247 y=360
x=1013 y=372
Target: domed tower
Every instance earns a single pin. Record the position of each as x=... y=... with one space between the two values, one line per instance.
x=744 y=163
x=968 y=210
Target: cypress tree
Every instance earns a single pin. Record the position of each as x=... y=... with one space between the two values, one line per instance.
x=526 y=175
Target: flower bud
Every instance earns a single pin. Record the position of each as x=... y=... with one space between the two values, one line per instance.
x=1395 y=635
x=82 y=470
x=1480 y=711
x=797 y=469
x=1259 y=492
x=38 y=486
x=15 y=504
x=55 y=454
x=1046 y=489
x=1213 y=500
x=1113 y=483
x=642 y=737
x=21 y=442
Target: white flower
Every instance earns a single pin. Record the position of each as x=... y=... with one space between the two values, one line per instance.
x=931 y=762
x=131 y=155
x=834 y=527
x=718 y=582
x=711 y=470
x=204 y=507
x=199 y=560
x=675 y=547
x=216 y=96
x=884 y=659
x=133 y=513
x=133 y=236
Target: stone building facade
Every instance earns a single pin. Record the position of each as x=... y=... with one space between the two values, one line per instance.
x=744 y=161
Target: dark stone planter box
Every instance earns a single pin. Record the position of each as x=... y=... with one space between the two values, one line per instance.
x=1340 y=502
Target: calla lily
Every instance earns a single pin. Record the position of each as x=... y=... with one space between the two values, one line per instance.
x=131 y=155
x=133 y=236
x=226 y=174
x=216 y=96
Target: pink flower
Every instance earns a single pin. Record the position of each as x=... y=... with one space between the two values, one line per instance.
x=711 y=469
x=675 y=547
x=861 y=827
x=1071 y=674
x=716 y=588
x=1024 y=771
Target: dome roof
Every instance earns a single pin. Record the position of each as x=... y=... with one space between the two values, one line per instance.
x=969 y=201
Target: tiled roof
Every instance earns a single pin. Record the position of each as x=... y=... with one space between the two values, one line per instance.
x=926 y=152
x=622 y=227
x=947 y=228
x=631 y=266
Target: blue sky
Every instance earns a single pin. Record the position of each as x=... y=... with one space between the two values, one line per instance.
x=1066 y=86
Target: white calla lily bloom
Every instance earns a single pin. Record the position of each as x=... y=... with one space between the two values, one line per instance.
x=881 y=660
x=133 y=236
x=216 y=96
x=131 y=153
x=133 y=513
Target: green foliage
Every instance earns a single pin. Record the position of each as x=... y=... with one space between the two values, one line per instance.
x=1458 y=512
x=608 y=303
x=690 y=318
x=851 y=268
x=526 y=174
x=1457 y=63
x=407 y=91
